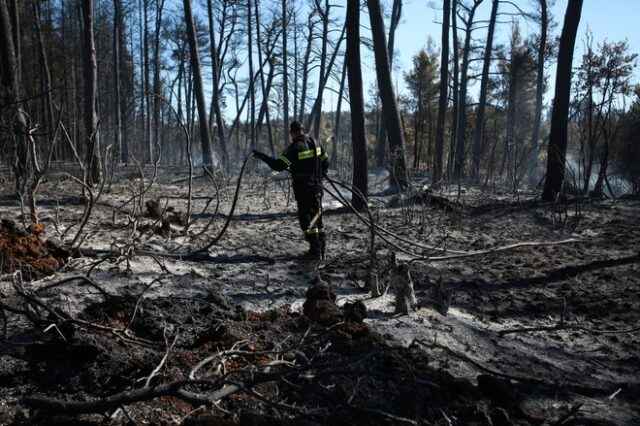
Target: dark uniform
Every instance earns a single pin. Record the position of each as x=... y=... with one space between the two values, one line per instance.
x=307 y=162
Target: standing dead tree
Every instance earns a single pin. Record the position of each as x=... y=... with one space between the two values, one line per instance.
x=482 y=102
x=90 y=74
x=557 y=150
x=459 y=156
x=442 y=100
x=400 y=279
x=393 y=123
x=205 y=136
x=28 y=169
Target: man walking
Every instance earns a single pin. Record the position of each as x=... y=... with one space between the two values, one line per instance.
x=307 y=162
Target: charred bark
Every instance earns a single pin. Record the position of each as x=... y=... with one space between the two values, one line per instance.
x=356 y=103
x=556 y=153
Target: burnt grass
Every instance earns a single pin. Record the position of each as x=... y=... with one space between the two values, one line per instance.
x=540 y=335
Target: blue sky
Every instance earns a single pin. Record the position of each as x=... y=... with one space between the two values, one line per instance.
x=613 y=20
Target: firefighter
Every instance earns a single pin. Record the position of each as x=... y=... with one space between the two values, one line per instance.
x=307 y=162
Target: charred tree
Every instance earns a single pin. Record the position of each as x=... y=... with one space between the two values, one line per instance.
x=205 y=136
x=317 y=111
x=458 y=164
x=396 y=14
x=306 y=63
x=157 y=87
x=285 y=71
x=146 y=73
x=442 y=100
x=264 y=86
x=215 y=89
x=121 y=147
x=455 y=83
x=354 y=72
x=333 y=161
x=482 y=102
x=535 y=133
x=90 y=72
x=252 y=81
x=45 y=70
x=393 y=122
x=18 y=128
x=557 y=150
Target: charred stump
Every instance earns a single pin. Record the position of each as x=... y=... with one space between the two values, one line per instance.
x=400 y=279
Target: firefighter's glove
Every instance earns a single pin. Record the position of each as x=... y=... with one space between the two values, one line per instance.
x=259 y=155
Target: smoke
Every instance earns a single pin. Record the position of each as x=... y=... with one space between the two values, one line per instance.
x=574 y=176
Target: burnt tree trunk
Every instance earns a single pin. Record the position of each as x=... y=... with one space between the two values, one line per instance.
x=215 y=89
x=147 y=82
x=396 y=14
x=157 y=90
x=333 y=161
x=454 y=87
x=458 y=165
x=354 y=72
x=316 y=113
x=400 y=279
x=305 y=68
x=285 y=72
x=557 y=150
x=121 y=148
x=482 y=102
x=90 y=72
x=393 y=122
x=46 y=74
x=252 y=95
x=442 y=100
x=18 y=127
x=205 y=137
x=535 y=133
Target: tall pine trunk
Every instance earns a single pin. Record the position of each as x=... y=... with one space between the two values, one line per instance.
x=396 y=14
x=454 y=87
x=442 y=100
x=205 y=137
x=354 y=72
x=482 y=102
x=460 y=153
x=215 y=89
x=535 y=132
x=90 y=72
x=557 y=150
x=157 y=90
x=121 y=153
x=252 y=94
x=285 y=72
x=333 y=161
x=11 y=81
x=46 y=74
x=393 y=122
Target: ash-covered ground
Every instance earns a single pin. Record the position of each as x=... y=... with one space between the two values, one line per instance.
x=527 y=312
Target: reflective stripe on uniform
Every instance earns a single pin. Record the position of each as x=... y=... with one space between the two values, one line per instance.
x=285 y=160
x=304 y=155
x=324 y=157
x=315 y=230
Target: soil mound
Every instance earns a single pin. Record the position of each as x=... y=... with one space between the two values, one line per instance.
x=26 y=252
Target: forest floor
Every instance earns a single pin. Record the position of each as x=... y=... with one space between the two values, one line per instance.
x=127 y=331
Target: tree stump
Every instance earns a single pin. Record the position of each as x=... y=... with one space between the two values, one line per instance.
x=401 y=280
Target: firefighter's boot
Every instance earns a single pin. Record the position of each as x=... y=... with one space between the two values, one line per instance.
x=315 y=248
x=323 y=246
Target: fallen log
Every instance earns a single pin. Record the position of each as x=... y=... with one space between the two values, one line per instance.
x=429 y=198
